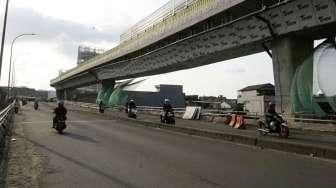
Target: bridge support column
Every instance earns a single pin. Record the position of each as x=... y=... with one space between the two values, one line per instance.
x=65 y=94
x=60 y=94
x=288 y=53
x=105 y=90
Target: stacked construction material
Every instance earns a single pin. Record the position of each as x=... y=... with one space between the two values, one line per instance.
x=192 y=112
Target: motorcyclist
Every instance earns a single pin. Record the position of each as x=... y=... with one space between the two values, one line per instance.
x=36 y=104
x=167 y=107
x=60 y=111
x=101 y=107
x=131 y=104
x=16 y=105
x=272 y=117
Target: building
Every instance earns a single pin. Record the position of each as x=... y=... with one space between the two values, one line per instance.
x=24 y=92
x=52 y=95
x=85 y=53
x=213 y=102
x=155 y=99
x=255 y=98
x=190 y=98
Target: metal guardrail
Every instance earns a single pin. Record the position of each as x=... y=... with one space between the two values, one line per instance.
x=5 y=117
x=4 y=114
x=144 y=108
x=207 y=112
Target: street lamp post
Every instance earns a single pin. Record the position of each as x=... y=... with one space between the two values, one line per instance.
x=13 y=67
x=3 y=36
x=10 y=61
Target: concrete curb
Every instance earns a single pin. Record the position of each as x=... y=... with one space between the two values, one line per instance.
x=311 y=150
x=303 y=149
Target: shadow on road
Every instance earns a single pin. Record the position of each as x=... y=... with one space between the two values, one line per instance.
x=122 y=183
x=80 y=137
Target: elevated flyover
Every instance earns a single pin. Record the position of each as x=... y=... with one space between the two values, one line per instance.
x=201 y=32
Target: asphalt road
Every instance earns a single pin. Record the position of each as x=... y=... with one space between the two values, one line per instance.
x=96 y=152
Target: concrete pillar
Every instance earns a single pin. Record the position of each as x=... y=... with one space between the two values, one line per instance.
x=107 y=83
x=66 y=95
x=104 y=85
x=288 y=54
x=60 y=94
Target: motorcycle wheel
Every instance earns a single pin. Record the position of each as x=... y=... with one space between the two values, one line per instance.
x=284 y=131
x=262 y=126
x=60 y=131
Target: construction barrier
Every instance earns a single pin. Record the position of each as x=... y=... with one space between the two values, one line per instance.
x=233 y=120
x=240 y=122
x=237 y=121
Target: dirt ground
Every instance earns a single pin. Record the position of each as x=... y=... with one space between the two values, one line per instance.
x=25 y=165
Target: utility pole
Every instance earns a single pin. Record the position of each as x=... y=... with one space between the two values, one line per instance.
x=3 y=36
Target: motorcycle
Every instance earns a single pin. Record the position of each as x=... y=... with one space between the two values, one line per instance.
x=101 y=109
x=132 y=113
x=16 y=109
x=60 y=125
x=279 y=126
x=36 y=106
x=169 y=118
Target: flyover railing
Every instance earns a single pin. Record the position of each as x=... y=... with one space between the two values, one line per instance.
x=5 y=128
x=5 y=116
x=120 y=107
x=299 y=119
x=157 y=110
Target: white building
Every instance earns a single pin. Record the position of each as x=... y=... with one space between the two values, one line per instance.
x=51 y=94
x=255 y=98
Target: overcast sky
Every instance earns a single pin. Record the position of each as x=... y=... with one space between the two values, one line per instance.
x=64 y=24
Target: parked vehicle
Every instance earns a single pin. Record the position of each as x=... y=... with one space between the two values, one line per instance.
x=279 y=126
x=60 y=125
x=169 y=118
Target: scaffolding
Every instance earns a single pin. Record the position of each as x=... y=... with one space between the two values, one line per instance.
x=85 y=53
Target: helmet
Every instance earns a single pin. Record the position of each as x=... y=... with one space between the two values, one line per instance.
x=166 y=100
x=271 y=105
x=131 y=100
x=60 y=103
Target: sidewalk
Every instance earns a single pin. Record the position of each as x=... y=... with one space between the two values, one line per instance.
x=300 y=142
